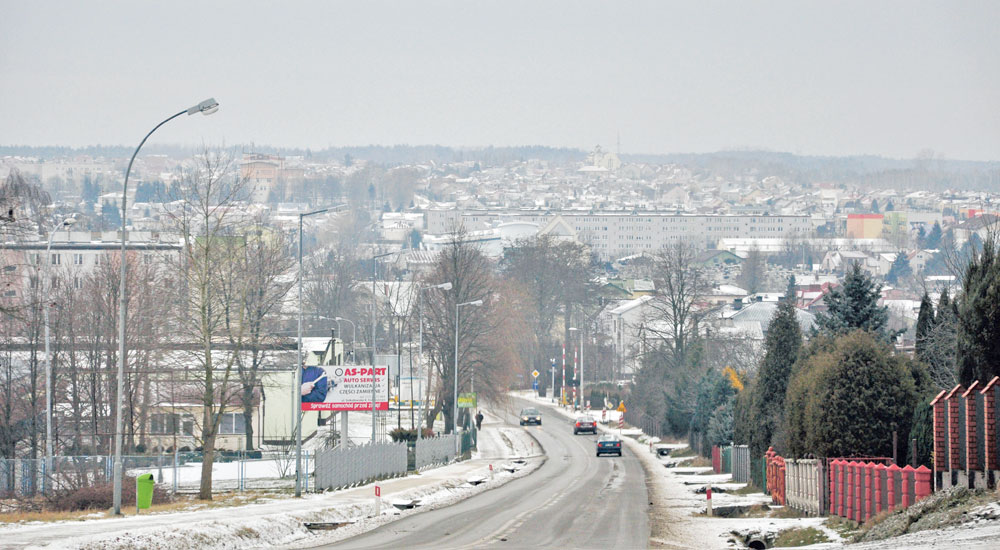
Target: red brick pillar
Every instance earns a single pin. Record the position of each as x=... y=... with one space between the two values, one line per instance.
x=990 y=418
x=971 y=442
x=922 y=486
x=869 y=473
x=939 y=460
x=954 y=435
x=907 y=476
x=859 y=484
x=892 y=474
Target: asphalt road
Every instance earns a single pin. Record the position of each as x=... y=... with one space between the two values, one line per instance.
x=574 y=500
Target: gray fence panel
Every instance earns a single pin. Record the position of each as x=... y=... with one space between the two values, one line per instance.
x=349 y=466
x=435 y=450
x=741 y=463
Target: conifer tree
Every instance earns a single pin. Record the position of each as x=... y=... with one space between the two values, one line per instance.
x=854 y=305
x=978 y=342
x=925 y=322
x=784 y=339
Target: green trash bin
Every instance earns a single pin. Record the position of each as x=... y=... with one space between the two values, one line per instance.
x=143 y=491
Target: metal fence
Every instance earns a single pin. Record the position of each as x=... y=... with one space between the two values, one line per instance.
x=741 y=463
x=435 y=450
x=649 y=425
x=180 y=472
x=349 y=466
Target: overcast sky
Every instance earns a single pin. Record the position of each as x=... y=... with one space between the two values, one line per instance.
x=834 y=78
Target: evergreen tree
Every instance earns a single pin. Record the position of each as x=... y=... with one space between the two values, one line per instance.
x=854 y=305
x=978 y=345
x=900 y=269
x=847 y=399
x=889 y=207
x=933 y=240
x=921 y=237
x=875 y=206
x=925 y=322
x=790 y=290
x=782 y=345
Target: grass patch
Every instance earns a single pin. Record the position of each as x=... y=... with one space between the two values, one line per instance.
x=844 y=527
x=181 y=503
x=746 y=490
x=695 y=462
x=681 y=453
x=800 y=536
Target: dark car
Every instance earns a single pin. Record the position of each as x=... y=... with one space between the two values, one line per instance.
x=585 y=424
x=609 y=443
x=531 y=416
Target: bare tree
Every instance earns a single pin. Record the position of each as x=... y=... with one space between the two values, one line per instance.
x=753 y=272
x=480 y=331
x=680 y=282
x=210 y=223
x=262 y=287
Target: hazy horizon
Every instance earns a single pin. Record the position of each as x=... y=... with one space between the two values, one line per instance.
x=892 y=80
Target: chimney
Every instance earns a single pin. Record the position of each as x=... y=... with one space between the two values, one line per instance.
x=737 y=304
x=333 y=334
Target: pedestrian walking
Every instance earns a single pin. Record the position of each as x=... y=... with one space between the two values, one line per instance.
x=479 y=420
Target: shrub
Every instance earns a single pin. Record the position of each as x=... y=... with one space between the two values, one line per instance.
x=101 y=497
x=848 y=399
x=404 y=434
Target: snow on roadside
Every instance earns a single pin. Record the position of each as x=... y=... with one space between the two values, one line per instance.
x=280 y=522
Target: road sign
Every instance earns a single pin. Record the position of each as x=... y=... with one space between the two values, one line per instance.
x=467 y=401
x=534 y=373
x=534 y=385
x=621 y=407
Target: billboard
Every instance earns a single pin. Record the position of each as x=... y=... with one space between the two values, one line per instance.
x=343 y=388
x=466 y=400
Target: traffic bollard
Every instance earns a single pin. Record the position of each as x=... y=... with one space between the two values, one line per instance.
x=708 y=499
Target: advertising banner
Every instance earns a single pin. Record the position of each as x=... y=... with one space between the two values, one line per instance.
x=466 y=400
x=343 y=388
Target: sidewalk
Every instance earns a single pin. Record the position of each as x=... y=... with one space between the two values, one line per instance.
x=279 y=522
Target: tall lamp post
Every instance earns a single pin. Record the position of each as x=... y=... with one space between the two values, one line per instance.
x=297 y=388
x=206 y=107
x=48 y=355
x=375 y=259
x=454 y=418
x=354 y=332
x=420 y=352
x=583 y=399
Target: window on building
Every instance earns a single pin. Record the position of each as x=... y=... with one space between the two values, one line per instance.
x=232 y=424
x=77 y=283
x=77 y=259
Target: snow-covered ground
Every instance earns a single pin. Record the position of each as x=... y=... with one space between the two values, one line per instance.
x=279 y=522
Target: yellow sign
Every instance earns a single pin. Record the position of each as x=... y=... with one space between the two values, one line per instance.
x=621 y=407
x=535 y=373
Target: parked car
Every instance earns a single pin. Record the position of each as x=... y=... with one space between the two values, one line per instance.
x=531 y=416
x=585 y=424
x=609 y=443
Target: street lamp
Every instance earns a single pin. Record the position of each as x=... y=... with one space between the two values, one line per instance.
x=48 y=355
x=420 y=338
x=454 y=418
x=354 y=332
x=297 y=387
x=583 y=399
x=375 y=259
x=206 y=107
